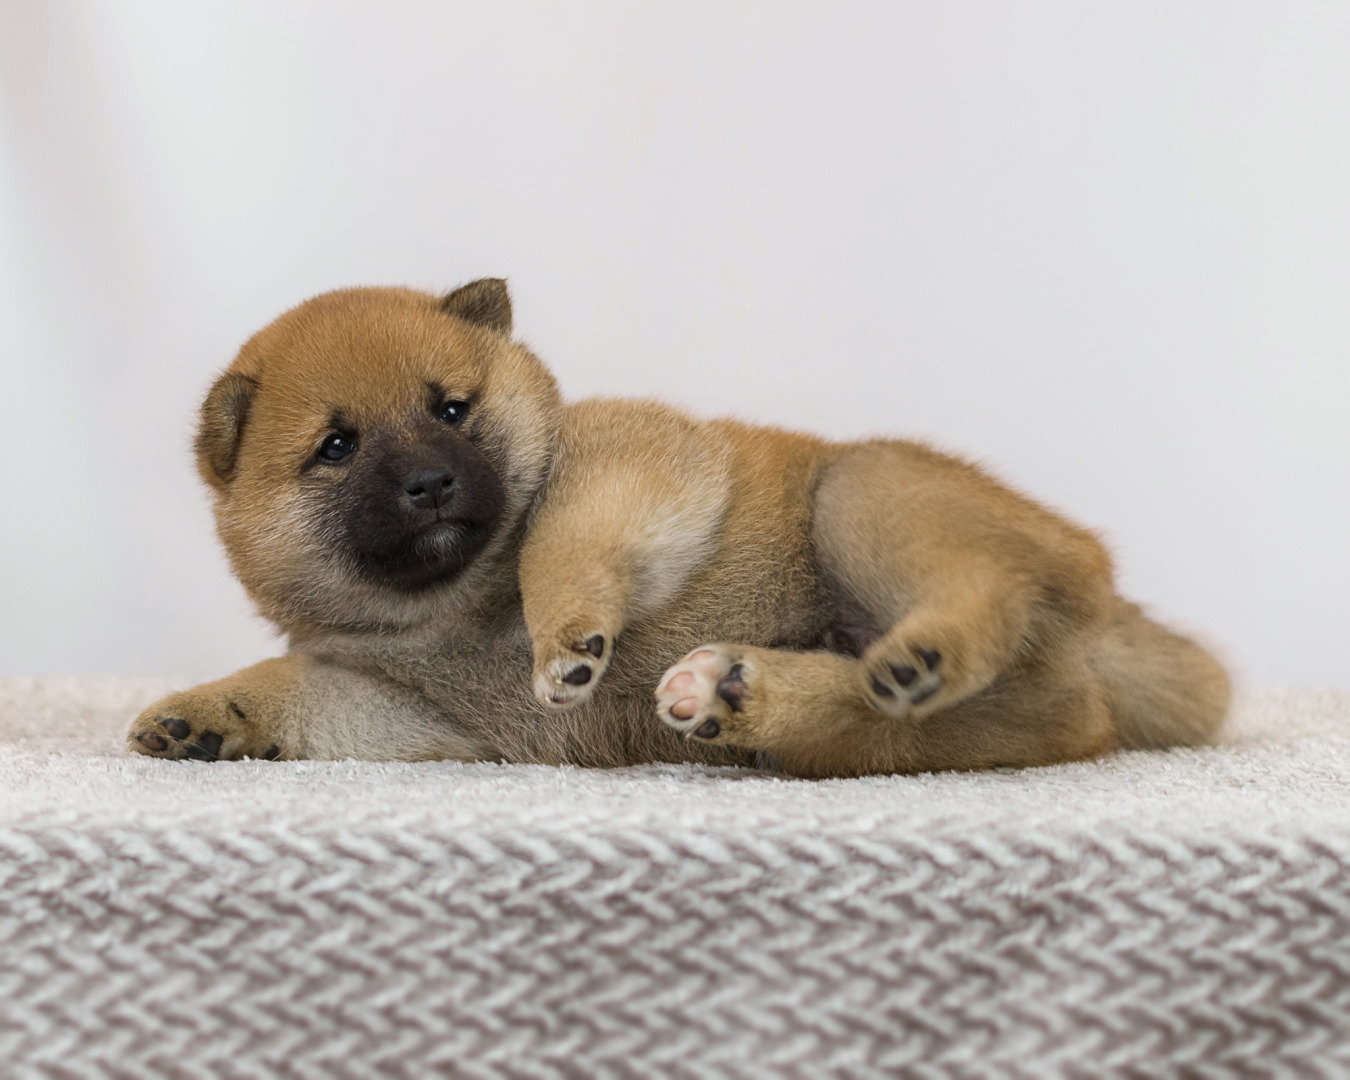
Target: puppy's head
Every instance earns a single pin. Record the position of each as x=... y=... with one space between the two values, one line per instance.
x=374 y=453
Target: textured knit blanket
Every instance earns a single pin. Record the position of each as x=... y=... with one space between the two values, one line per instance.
x=1182 y=913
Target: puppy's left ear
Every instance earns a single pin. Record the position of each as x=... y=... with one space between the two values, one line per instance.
x=483 y=302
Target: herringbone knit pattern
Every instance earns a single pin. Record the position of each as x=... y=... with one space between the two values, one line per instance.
x=1177 y=914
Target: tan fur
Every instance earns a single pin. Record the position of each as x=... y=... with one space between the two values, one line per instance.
x=884 y=607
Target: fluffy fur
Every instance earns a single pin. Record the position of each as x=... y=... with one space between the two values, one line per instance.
x=466 y=567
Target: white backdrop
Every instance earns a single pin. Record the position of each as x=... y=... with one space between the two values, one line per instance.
x=1104 y=248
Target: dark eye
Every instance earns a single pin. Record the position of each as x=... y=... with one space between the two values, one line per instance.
x=337 y=447
x=453 y=412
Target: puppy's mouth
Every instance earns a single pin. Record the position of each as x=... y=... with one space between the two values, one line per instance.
x=444 y=539
x=433 y=555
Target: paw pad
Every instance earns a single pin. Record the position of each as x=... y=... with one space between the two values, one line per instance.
x=177 y=728
x=905 y=675
x=709 y=729
x=206 y=747
x=731 y=687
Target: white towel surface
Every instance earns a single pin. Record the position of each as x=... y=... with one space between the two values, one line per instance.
x=1163 y=913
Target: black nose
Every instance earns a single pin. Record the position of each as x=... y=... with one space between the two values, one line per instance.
x=429 y=489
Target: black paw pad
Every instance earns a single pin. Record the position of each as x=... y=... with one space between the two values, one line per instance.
x=595 y=645
x=904 y=674
x=731 y=689
x=881 y=689
x=931 y=657
x=151 y=741
x=273 y=752
x=709 y=729
x=177 y=728
x=578 y=676
x=206 y=748
x=923 y=695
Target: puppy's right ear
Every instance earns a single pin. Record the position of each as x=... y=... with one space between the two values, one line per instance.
x=484 y=302
x=221 y=427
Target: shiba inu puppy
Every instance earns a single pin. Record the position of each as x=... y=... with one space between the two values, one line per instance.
x=465 y=567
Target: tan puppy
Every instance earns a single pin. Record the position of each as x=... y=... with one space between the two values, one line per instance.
x=467 y=568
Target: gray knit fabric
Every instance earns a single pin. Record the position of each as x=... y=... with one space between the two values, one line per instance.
x=1154 y=914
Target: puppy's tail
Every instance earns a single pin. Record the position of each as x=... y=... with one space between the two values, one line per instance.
x=1164 y=689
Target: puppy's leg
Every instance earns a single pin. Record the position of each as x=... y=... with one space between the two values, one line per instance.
x=950 y=645
x=297 y=706
x=619 y=533
x=959 y=577
x=806 y=710
x=808 y=714
x=576 y=584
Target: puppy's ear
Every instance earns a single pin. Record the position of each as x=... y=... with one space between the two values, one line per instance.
x=484 y=303
x=221 y=427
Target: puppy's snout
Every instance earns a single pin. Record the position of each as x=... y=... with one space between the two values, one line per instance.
x=429 y=489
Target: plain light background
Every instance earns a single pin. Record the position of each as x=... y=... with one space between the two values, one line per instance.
x=1102 y=247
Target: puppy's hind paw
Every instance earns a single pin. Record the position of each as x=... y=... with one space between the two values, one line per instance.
x=899 y=678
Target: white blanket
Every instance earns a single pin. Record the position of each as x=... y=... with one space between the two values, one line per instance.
x=1178 y=913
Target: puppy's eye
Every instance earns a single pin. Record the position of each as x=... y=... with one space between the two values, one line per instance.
x=453 y=412
x=337 y=447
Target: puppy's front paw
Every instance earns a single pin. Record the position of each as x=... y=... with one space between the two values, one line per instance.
x=202 y=724
x=567 y=673
x=704 y=696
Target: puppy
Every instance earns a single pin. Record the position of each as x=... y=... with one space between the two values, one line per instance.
x=467 y=568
